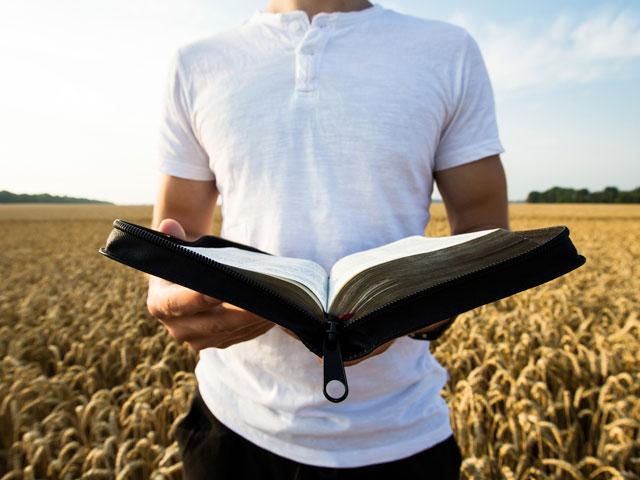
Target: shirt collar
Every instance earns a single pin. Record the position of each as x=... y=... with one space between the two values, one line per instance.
x=336 y=18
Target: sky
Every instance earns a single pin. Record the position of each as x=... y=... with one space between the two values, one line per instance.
x=82 y=83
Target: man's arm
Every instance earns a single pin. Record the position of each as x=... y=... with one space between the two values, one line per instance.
x=189 y=202
x=475 y=195
x=475 y=198
x=184 y=208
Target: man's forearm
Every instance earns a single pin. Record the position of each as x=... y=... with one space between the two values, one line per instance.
x=475 y=198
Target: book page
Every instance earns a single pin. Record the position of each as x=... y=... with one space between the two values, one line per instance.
x=347 y=267
x=300 y=270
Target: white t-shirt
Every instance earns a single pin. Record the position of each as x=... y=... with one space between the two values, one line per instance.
x=322 y=138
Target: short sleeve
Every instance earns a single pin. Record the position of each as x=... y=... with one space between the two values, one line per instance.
x=470 y=131
x=179 y=150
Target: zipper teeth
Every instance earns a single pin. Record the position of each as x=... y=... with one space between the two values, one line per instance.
x=158 y=240
x=377 y=311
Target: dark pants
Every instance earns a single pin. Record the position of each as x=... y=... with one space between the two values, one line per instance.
x=211 y=451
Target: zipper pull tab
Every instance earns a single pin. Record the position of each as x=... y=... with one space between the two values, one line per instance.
x=335 y=380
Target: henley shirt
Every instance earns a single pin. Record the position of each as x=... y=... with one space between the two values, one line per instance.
x=322 y=137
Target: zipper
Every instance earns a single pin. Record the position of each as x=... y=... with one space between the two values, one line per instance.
x=335 y=386
x=157 y=238
x=351 y=324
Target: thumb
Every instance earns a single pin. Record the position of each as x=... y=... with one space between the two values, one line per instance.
x=173 y=228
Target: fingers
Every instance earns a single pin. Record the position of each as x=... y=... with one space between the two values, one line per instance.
x=434 y=326
x=289 y=332
x=173 y=228
x=166 y=299
x=238 y=337
x=199 y=319
x=218 y=321
x=382 y=348
x=218 y=328
x=173 y=300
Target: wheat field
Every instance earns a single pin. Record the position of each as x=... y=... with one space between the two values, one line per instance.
x=544 y=384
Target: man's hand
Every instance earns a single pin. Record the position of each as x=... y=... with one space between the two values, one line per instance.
x=382 y=348
x=198 y=319
x=377 y=351
x=475 y=197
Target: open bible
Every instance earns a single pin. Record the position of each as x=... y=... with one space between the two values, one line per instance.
x=368 y=297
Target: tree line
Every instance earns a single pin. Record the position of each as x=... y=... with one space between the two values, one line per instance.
x=571 y=195
x=10 y=197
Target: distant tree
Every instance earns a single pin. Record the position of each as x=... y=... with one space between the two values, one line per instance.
x=632 y=196
x=582 y=195
x=534 y=197
x=611 y=195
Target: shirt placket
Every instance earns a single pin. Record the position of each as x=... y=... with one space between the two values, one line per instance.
x=309 y=51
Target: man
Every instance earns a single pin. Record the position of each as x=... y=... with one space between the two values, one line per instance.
x=322 y=126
